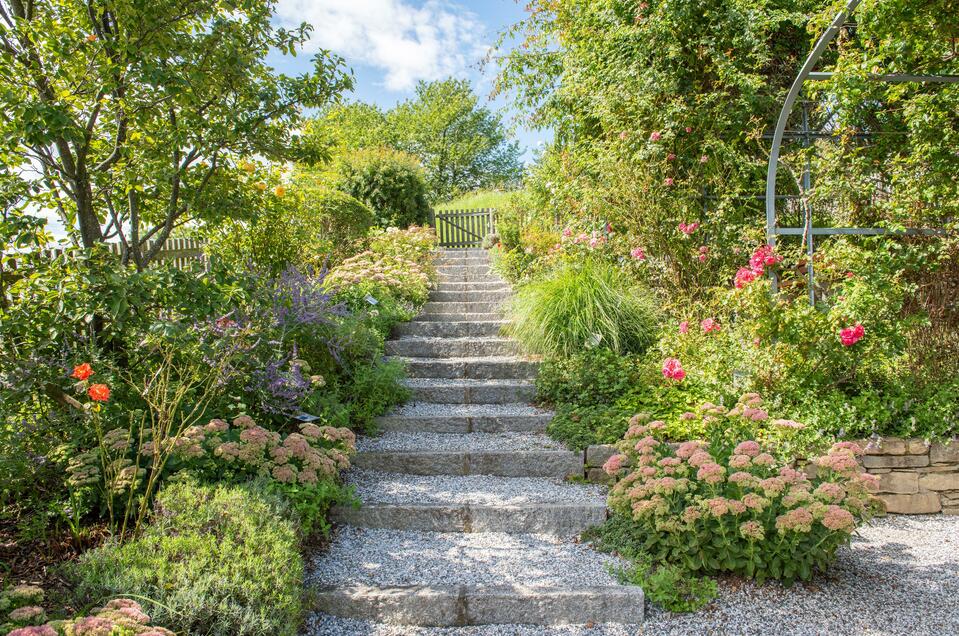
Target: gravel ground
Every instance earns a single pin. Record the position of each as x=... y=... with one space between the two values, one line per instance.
x=458 y=441
x=424 y=409
x=395 y=557
x=376 y=487
x=900 y=577
x=471 y=382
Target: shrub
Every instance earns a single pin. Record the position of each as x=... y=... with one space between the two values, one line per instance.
x=374 y=389
x=218 y=560
x=340 y=221
x=580 y=426
x=728 y=505
x=401 y=278
x=595 y=376
x=416 y=243
x=584 y=305
x=392 y=183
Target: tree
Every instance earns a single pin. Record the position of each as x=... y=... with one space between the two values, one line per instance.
x=121 y=112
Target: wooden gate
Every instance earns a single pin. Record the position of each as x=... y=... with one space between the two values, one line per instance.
x=463 y=228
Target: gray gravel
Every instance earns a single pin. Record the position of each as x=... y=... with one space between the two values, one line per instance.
x=395 y=557
x=458 y=441
x=425 y=409
x=377 y=487
x=899 y=577
x=471 y=382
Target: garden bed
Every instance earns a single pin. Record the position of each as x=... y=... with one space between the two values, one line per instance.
x=915 y=477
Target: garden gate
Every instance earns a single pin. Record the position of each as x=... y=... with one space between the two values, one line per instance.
x=463 y=228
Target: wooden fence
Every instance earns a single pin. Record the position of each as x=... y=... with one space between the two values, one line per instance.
x=463 y=228
x=181 y=252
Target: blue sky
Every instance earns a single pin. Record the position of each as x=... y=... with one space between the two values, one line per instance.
x=392 y=44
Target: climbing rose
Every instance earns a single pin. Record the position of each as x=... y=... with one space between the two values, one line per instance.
x=851 y=335
x=655 y=136
x=638 y=254
x=709 y=325
x=688 y=229
x=689 y=129
x=668 y=181
x=673 y=369
x=671 y=157
x=99 y=392
x=82 y=371
x=745 y=276
x=703 y=253
x=684 y=327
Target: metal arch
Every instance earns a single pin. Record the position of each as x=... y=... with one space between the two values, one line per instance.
x=791 y=97
x=808 y=231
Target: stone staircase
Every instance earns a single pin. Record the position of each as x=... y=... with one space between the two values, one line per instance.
x=467 y=518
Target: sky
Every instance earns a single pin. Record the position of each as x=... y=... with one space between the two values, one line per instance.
x=392 y=44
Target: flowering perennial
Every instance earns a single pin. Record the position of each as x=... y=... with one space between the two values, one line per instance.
x=851 y=335
x=732 y=507
x=673 y=369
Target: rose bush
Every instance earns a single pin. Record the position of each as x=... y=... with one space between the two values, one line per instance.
x=729 y=505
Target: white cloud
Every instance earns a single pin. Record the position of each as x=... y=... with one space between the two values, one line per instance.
x=409 y=42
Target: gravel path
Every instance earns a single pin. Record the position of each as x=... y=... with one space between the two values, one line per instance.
x=377 y=487
x=425 y=409
x=394 y=557
x=899 y=577
x=472 y=442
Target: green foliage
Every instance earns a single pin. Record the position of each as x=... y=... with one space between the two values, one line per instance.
x=218 y=560
x=580 y=426
x=595 y=376
x=494 y=199
x=374 y=390
x=390 y=182
x=728 y=505
x=584 y=305
x=462 y=145
x=81 y=96
x=666 y=584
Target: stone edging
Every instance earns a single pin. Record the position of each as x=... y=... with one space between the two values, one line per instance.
x=914 y=477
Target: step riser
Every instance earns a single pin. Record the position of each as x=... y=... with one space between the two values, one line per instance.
x=486 y=317
x=551 y=464
x=462 y=307
x=501 y=605
x=493 y=285
x=474 y=395
x=449 y=329
x=451 y=370
x=450 y=349
x=560 y=520
x=470 y=296
x=462 y=261
x=449 y=424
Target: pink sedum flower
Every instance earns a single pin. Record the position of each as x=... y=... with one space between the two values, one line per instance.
x=614 y=464
x=749 y=447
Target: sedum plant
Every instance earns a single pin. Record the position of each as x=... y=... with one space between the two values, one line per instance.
x=731 y=506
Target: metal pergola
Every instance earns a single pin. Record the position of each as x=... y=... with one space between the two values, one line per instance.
x=809 y=231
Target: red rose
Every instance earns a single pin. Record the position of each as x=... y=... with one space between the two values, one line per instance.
x=82 y=371
x=99 y=392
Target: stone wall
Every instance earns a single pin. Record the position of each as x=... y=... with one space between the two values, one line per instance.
x=914 y=477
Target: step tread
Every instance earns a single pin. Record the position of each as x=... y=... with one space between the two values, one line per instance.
x=468 y=410
x=384 y=557
x=466 y=382
x=419 y=442
x=375 y=487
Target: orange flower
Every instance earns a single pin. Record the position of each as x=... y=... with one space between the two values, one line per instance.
x=82 y=371
x=279 y=191
x=99 y=392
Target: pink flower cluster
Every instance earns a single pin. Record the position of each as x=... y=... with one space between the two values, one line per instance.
x=673 y=369
x=638 y=254
x=688 y=228
x=709 y=325
x=851 y=335
x=764 y=256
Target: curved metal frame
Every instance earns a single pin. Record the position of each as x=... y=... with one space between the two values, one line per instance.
x=807 y=73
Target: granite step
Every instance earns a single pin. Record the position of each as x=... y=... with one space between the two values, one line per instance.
x=470 y=307
x=476 y=295
x=449 y=329
x=483 y=317
x=413 y=347
x=479 y=368
x=465 y=418
x=465 y=391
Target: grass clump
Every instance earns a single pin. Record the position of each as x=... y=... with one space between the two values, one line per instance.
x=217 y=560
x=584 y=305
